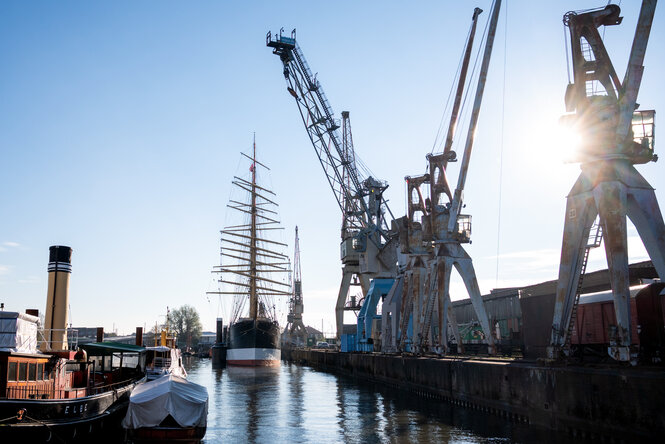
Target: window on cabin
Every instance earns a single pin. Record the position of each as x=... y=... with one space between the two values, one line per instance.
x=40 y=371
x=130 y=360
x=22 y=371
x=32 y=371
x=11 y=373
x=96 y=363
x=72 y=366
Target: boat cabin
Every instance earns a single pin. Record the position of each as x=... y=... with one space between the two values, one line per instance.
x=28 y=373
x=162 y=360
x=25 y=375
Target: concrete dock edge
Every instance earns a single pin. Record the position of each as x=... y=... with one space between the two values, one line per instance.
x=619 y=403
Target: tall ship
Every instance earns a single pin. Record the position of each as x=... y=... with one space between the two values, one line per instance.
x=254 y=272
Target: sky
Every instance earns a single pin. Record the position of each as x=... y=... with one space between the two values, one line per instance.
x=121 y=125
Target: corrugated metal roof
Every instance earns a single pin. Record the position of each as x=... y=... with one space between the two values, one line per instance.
x=108 y=348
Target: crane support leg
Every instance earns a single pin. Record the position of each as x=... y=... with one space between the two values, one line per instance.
x=645 y=214
x=428 y=302
x=390 y=311
x=405 y=310
x=446 y=312
x=580 y=214
x=348 y=271
x=464 y=267
x=611 y=200
x=347 y=274
x=418 y=279
x=411 y=306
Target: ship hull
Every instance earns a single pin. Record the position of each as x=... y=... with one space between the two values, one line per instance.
x=254 y=343
x=66 y=420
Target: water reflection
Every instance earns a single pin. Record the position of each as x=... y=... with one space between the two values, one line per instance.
x=297 y=404
x=255 y=389
x=294 y=398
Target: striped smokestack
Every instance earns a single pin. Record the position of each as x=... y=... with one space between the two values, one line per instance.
x=57 y=297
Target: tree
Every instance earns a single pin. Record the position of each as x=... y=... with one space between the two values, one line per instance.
x=186 y=324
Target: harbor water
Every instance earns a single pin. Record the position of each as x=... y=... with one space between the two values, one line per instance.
x=297 y=404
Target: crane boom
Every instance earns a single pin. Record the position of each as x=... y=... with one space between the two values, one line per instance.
x=350 y=156
x=458 y=196
x=359 y=199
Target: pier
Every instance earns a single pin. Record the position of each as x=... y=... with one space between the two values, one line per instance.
x=605 y=403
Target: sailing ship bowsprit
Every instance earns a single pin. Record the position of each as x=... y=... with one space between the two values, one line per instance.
x=251 y=266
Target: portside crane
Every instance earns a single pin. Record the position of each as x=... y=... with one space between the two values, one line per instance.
x=368 y=248
x=433 y=231
x=295 y=333
x=614 y=138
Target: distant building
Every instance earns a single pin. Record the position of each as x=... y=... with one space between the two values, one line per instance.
x=131 y=339
x=207 y=338
x=89 y=334
x=313 y=333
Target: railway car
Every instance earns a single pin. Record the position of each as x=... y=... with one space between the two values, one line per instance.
x=594 y=326
x=596 y=322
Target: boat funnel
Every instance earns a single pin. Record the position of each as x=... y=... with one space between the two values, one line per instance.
x=139 y=336
x=32 y=312
x=57 y=298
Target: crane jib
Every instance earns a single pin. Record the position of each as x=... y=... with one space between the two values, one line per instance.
x=360 y=200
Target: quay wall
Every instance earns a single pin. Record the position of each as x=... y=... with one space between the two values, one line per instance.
x=616 y=403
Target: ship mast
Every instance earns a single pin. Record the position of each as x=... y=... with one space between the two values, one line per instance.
x=250 y=259
x=253 y=299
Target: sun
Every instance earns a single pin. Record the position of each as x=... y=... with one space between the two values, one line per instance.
x=549 y=144
x=568 y=139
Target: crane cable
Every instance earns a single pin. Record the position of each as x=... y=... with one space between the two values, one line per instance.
x=503 y=114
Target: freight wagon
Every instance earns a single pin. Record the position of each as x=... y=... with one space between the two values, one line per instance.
x=593 y=329
x=596 y=323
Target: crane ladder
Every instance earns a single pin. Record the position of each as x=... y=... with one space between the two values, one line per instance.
x=429 y=309
x=406 y=311
x=594 y=240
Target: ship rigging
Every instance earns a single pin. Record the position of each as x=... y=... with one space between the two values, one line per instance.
x=251 y=264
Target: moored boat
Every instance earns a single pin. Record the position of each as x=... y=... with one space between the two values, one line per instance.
x=168 y=409
x=163 y=360
x=165 y=357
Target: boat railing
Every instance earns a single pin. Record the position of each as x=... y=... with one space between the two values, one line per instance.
x=160 y=362
x=48 y=392
x=109 y=387
x=47 y=339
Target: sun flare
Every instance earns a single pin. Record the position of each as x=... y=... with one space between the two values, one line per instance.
x=551 y=144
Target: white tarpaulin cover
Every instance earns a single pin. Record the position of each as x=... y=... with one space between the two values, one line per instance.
x=151 y=402
x=18 y=332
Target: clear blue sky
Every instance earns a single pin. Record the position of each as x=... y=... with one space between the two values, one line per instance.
x=121 y=124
